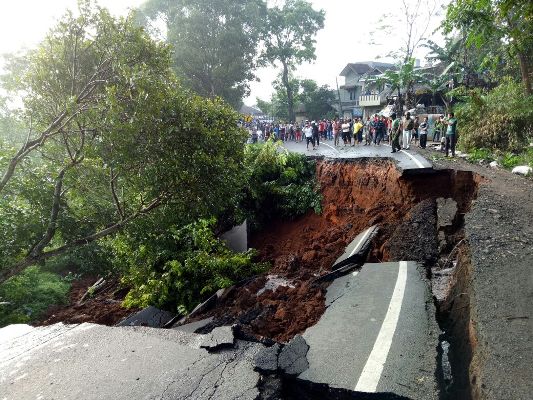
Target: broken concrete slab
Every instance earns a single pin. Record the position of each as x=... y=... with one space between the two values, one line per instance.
x=331 y=276
x=221 y=337
x=266 y=360
x=342 y=343
x=355 y=251
x=91 y=361
x=293 y=356
x=192 y=327
x=151 y=316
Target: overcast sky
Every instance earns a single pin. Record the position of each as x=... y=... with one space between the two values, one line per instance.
x=345 y=38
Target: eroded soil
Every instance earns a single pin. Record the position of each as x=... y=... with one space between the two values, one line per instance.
x=356 y=195
x=104 y=308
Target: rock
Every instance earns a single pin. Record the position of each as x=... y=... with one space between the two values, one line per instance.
x=522 y=170
x=309 y=256
x=293 y=356
x=219 y=338
x=494 y=164
x=446 y=212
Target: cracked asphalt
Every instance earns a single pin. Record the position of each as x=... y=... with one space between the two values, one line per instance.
x=90 y=361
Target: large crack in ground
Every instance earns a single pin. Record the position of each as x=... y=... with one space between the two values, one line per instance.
x=415 y=223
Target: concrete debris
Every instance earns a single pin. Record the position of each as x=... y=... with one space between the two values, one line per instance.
x=266 y=360
x=494 y=164
x=293 y=357
x=150 y=316
x=273 y=282
x=522 y=170
x=192 y=327
x=219 y=338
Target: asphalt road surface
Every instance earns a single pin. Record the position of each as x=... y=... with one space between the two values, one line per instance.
x=378 y=333
x=405 y=159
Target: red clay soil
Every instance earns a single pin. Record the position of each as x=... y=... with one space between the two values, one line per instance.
x=104 y=308
x=356 y=195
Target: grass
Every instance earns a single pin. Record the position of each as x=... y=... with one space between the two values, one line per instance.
x=25 y=297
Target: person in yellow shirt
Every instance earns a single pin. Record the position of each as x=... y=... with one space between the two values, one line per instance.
x=358 y=130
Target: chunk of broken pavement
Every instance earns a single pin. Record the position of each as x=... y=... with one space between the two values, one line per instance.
x=220 y=337
x=293 y=356
x=266 y=360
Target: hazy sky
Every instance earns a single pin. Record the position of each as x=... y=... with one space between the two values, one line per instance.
x=345 y=38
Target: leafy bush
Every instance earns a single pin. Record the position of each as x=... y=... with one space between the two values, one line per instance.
x=179 y=278
x=501 y=119
x=26 y=296
x=281 y=184
x=510 y=160
x=480 y=155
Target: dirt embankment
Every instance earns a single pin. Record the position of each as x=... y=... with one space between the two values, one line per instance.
x=104 y=308
x=356 y=195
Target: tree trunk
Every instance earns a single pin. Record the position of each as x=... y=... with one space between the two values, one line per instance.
x=524 y=71
x=290 y=95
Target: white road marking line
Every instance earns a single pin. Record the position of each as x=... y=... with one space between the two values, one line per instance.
x=361 y=241
x=331 y=147
x=418 y=163
x=369 y=379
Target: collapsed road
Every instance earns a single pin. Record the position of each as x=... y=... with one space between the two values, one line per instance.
x=346 y=311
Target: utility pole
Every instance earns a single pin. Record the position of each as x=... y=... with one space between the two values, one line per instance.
x=340 y=102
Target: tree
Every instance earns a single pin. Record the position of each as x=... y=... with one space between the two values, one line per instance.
x=111 y=138
x=316 y=99
x=215 y=43
x=506 y=22
x=290 y=40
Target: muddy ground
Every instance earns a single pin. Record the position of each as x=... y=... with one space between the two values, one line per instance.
x=104 y=308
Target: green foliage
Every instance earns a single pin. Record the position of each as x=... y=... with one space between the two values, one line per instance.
x=25 y=297
x=282 y=185
x=186 y=273
x=215 y=43
x=502 y=28
x=501 y=119
x=477 y=155
x=131 y=143
x=315 y=99
x=290 y=39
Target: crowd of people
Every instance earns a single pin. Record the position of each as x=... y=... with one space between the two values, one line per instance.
x=400 y=133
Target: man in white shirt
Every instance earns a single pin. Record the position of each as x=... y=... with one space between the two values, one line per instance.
x=308 y=132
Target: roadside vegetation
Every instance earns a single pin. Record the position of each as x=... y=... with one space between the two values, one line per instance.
x=114 y=167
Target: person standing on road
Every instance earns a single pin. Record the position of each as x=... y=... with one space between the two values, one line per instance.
x=336 y=129
x=395 y=133
x=366 y=131
x=415 y=129
x=345 y=131
x=423 y=131
x=438 y=129
x=379 y=128
x=407 y=128
x=358 y=131
x=308 y=132
x=451 y=130
x=316 y=134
